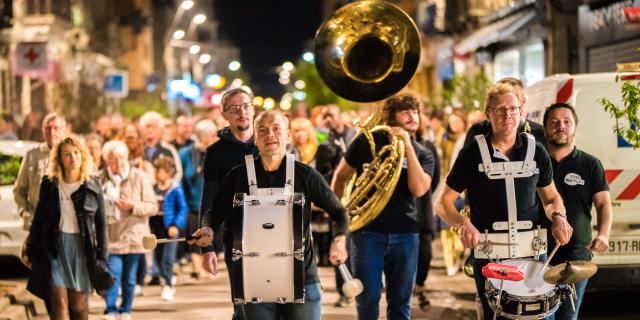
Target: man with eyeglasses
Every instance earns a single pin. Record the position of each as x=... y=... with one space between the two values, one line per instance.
x=534 y=128
x=236 y=141
x=492 y=191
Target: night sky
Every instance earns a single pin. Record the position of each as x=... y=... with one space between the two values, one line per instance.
x=267 y=34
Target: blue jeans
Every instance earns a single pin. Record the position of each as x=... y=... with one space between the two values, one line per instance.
x=565 y=311
x=310 y=310
x=123 y=268
x=394 y=254
x=480 y=280
x=163 y=258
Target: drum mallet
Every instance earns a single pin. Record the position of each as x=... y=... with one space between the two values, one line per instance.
x=546 y=263
x=352 y=287
x=150 y=242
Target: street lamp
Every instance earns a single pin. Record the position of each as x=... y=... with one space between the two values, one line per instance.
x=178 y=34
x=205 y=58
x=199 y=18
x=194 y=49
x=186 y=5
x=234 y=65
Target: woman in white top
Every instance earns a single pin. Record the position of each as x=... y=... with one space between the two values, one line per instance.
x=68 y=236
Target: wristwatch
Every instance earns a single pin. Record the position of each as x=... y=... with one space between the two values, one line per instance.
x=558 y=213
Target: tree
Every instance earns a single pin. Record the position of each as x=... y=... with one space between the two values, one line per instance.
x=627 y=122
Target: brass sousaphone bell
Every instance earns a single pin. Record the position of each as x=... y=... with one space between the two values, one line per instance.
x=366 y=52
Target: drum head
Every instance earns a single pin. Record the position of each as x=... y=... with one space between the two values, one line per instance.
x=533 y=283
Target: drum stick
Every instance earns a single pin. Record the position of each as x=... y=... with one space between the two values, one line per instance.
x=546 y=263
x=150 y=242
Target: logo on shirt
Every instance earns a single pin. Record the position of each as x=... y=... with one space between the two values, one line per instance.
x=573 y=179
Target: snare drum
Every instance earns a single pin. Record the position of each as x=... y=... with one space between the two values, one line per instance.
x=531 y=298
x=268 y=249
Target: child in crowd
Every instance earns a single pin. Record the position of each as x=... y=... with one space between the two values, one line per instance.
x=169 y=223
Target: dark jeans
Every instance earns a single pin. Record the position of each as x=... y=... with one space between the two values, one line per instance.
x=238 y=310
x=397 y=256
x=424 y=258
x=310 y=310
x=565 y=311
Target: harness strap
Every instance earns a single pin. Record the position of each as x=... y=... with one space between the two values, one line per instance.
x=253 y=182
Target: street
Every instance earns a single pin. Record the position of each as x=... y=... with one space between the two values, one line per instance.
x=451 y=298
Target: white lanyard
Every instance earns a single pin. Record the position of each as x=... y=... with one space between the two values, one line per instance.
x=253 y=182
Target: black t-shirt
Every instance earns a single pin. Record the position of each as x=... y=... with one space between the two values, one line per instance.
x=399 y=215
x=488 y=198
x=578 y=177
x=306 y=181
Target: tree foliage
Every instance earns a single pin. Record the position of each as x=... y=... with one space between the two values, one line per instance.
x=465 y=90
x=317 y=92
x=627 y=121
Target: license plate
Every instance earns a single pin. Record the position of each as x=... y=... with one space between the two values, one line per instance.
x=623 y=247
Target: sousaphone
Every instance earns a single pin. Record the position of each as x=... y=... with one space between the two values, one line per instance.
x=368 y=51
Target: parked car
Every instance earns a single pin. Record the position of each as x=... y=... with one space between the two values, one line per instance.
x=619 y=267
x=12 y=233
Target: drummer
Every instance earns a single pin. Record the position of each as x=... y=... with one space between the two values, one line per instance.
x=488 y=198
x=272 y=135
x=581 y=181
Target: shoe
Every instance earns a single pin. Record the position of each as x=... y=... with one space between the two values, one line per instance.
x=125 y=316
x=195 y=275
x=452 y=270
x=343 y=302
x=137 y=291
x=423 y=301
x=174 y=280
x=110 y=316
x=155 y=281
x=168 y=293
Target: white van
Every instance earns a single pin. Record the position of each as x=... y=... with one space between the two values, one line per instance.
x=620 y=265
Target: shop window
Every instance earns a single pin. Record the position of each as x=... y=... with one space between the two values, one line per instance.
x=525 y=62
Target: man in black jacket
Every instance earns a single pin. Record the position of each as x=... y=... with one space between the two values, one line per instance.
x=270 y=169
x=235 y=142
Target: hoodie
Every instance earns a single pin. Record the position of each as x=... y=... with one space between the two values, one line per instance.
x=220 y=158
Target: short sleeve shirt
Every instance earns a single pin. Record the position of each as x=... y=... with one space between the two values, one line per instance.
x=399 y=215
x=578 y=177
x=488 y=198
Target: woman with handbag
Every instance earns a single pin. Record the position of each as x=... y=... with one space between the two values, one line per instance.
x=68 y=237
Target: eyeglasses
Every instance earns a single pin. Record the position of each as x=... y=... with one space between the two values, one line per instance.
x=503 y=111
x=237 y=108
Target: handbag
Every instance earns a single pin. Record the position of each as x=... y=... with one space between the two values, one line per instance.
x=103 y=278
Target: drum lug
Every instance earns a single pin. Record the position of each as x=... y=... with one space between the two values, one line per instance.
x=299 y=254
x=254 y=202
x=252 y=254
x=238 y=301
x=236 y=254
x=256 y=300
x=281 y=202
x=299 y=201
x=281 y=300
x=282 y=254
x=237 y=202
x=298 y=301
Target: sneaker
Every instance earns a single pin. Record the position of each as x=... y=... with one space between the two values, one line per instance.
x=125 y=316
x=110 y=316
x=168 y=293
x=155 y=281
x=174 y=280
x=137 y=291
x=452 y=270
x=343 y=302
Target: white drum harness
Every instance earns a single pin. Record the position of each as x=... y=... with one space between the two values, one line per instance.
x=513 y=244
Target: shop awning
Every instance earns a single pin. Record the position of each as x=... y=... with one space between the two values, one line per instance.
x=495 y=32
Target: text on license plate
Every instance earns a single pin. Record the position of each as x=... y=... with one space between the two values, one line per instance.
x=624 y=246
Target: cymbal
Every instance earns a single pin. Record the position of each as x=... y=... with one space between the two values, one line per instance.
x=570 y=272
